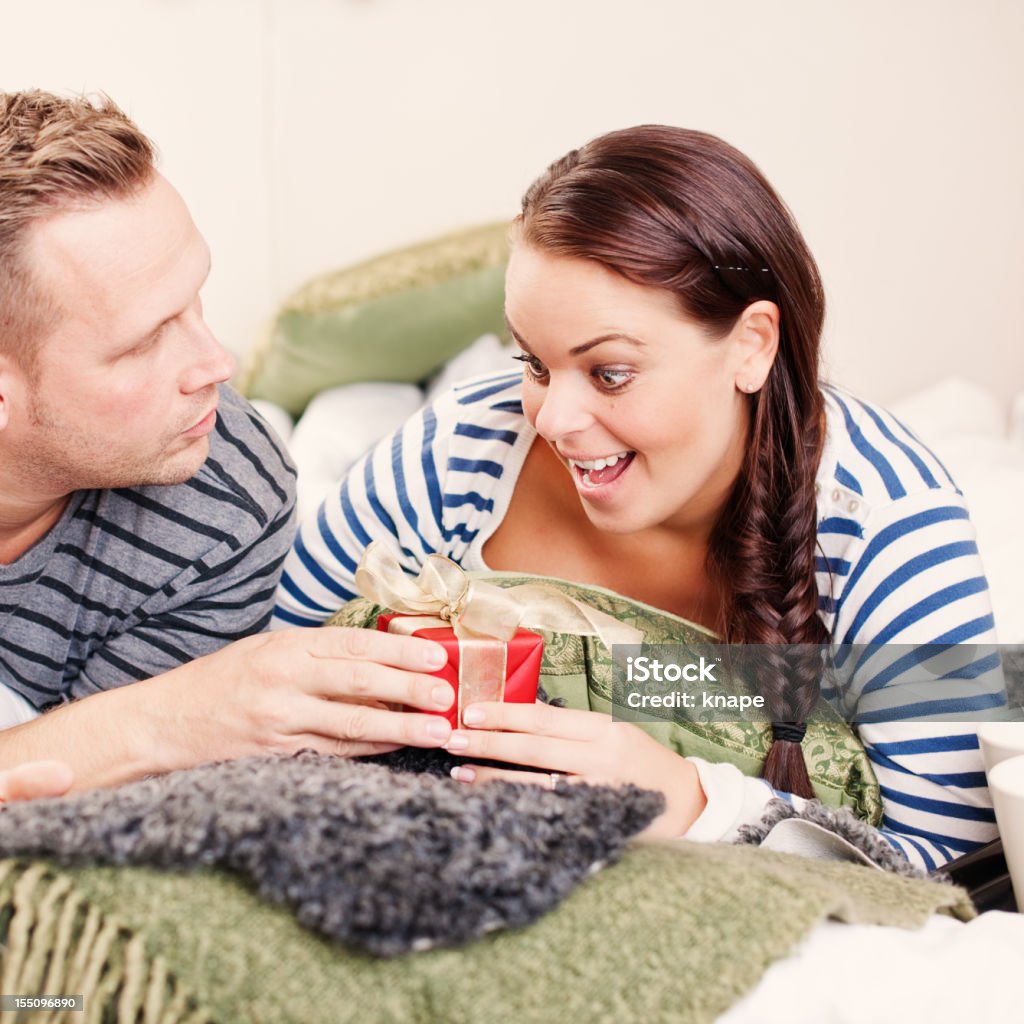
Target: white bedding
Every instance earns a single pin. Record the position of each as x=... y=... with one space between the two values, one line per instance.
x=947 y=972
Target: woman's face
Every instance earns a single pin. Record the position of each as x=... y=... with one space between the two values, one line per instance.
x=639 y=405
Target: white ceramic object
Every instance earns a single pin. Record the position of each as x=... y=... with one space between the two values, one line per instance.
x=1006 y=781
x=1000 y=741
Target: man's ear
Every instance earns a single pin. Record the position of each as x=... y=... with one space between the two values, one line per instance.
x=9 y=375
x=4 y=391
x=756 y=337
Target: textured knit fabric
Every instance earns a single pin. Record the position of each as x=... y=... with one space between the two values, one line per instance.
x=388 y=861
x=898 y=565
x=133 y=582
x=672 y=932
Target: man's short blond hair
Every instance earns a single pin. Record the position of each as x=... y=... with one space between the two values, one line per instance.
x=56 y=153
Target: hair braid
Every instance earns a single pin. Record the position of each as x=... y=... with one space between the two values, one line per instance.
x=763 y=552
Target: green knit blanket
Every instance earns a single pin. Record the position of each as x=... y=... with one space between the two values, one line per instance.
x=673 y=931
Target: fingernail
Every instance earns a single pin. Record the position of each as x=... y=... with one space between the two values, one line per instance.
x=457 y=742
x=461 y=773
x=439 y=729
x=473 y=716
x=436 y=657
x=442 y=695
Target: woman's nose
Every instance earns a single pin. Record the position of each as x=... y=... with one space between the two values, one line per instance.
x=562 y=410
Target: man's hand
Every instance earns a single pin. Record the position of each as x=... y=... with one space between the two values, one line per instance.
x=331 y=689
x=34 y=780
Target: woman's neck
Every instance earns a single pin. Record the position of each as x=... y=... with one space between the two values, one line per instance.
x=546 y=531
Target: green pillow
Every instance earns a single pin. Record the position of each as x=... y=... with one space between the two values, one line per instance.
x=398 y=317
x=579 y=669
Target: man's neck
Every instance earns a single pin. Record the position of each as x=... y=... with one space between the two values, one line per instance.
x=22 y=527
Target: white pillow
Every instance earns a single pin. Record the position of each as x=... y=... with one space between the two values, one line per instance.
x=338 y=426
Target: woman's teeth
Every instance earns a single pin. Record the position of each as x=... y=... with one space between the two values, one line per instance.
x=595 y=472
x=588 y=464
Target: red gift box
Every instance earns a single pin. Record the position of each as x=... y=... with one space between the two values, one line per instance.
x=523 y=656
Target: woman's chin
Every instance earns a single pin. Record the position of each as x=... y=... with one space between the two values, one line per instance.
x=609 y=520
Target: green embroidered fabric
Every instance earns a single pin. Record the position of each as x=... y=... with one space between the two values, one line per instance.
x=579 y=669
x=397 y=317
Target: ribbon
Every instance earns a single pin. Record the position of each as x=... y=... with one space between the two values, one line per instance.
x=482 y=661
x=483 y=617
x=475 y=609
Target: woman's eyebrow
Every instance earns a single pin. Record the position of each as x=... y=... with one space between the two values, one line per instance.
x=515 y=334
x=600 y=340
x=586 y=346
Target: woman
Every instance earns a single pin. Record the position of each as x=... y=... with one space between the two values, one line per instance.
x=669 y=439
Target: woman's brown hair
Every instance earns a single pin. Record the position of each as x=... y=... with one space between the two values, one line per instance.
x=684 y=211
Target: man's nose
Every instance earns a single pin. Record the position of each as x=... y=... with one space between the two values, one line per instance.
x=211 y=363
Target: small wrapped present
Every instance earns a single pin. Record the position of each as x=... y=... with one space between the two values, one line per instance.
x=492 y=655
x=478 y=668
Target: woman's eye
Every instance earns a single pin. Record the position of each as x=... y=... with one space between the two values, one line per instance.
x=612 y=380
x=534 y=367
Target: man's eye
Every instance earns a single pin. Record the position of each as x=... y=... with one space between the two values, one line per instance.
x=142 y=347
x=534 y=367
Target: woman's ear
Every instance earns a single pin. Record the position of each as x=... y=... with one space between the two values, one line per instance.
x=756 y=338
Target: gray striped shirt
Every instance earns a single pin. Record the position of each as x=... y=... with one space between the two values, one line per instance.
x=133 y=582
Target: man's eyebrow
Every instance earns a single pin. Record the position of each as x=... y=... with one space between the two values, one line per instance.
x=587 y=345
x=174 y=316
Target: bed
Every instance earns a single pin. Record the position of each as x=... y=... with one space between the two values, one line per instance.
x=346 y=359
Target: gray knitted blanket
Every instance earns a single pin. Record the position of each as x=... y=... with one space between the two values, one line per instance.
x=386 y=860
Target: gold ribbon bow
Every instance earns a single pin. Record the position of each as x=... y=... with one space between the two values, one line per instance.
x=484 y=617
x=475 y=608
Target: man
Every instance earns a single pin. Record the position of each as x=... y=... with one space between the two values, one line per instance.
x=34 y=780
x=144 y=508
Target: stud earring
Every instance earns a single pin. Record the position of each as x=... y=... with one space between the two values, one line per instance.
x=748 y=388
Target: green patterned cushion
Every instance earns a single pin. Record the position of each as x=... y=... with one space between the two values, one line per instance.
x=398 y=317
x=580 y=670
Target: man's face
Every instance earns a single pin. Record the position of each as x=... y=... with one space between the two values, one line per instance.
x=124 y=392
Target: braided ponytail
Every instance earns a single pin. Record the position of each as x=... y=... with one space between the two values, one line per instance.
x=762 y=553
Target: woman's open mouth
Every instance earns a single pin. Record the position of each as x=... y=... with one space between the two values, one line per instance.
x=594 y=473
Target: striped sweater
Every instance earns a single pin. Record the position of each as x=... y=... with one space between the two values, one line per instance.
x=133 y=582
x=897 y=564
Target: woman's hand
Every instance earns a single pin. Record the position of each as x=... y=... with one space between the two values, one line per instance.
x=34 y=780
x=585 y=746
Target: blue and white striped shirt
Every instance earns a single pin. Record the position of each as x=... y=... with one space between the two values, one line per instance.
x=898 y=565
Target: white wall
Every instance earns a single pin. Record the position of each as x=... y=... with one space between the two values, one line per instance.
x=307 y=134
